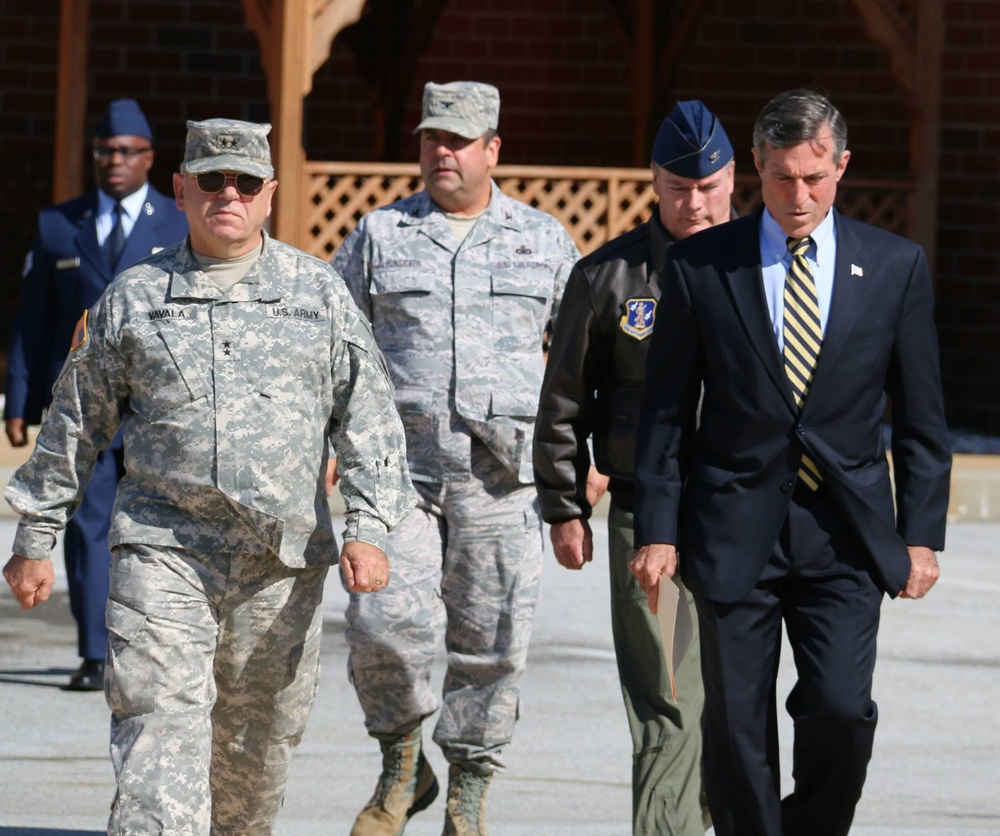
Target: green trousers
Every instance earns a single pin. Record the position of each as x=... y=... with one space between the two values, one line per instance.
x=667 y=795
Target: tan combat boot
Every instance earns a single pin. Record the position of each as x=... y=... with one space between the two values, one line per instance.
x=466 y=812
x=406 y=786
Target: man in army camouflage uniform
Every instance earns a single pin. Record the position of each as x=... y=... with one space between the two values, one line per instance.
x=232 y=363
x=460 y=282
x=593 y=387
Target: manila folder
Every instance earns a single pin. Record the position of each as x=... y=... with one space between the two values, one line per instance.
x=676 y=626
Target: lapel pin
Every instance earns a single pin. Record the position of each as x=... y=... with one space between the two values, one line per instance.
x=856 y=271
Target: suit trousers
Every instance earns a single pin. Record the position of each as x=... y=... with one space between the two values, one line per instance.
x=213 y=670
x=819 y=584
x=88 y=556
x=667 y=796
x=465 y=566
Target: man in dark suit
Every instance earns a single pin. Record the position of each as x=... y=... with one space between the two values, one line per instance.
x=779 y=504
x=79 y=246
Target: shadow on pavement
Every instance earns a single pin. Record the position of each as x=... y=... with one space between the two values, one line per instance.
x=47 y=831
x=26 y=676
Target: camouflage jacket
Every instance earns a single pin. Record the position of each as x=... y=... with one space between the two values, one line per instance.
x=463 y=319
x=228 y=402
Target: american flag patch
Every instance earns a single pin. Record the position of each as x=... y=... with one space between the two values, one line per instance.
x=80 y=333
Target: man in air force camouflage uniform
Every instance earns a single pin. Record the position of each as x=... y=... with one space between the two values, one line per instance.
x=231 y=362
x=460 y=282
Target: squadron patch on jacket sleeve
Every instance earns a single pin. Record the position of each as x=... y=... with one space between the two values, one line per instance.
x=80 y=333
x=639 y=317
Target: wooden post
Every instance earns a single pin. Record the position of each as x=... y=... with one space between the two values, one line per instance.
x=915 y=60
x=71 y=99
x=642 y=35
x=287 y=81
x=926 y=129
x=295 y=38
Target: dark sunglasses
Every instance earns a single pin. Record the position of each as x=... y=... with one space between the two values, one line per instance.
x=213 y=182
x=103 y=153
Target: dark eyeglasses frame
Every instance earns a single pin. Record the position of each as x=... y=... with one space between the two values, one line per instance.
x=103 y=153
x=248 y=185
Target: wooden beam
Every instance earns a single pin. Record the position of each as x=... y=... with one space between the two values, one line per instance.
x=925 y=132
x=289 y=30
x=641 y=88
x=71 y=99
x=887 y=27
x=681 y=28
x=283 y=27
x=330 y=17
x=915 y=60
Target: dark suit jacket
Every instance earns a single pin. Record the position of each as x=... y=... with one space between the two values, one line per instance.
x=721 y=492
x=66 y=276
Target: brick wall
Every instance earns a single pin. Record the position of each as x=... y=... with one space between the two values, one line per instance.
x=745 y=51
x=188 y=60
x=562 y=73
x=968 y=268
x=28 y=45
x=563 y=70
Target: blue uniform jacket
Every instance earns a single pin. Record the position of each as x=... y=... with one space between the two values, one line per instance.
x=65 y=275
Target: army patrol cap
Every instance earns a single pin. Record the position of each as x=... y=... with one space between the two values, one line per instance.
x=227 y=145
x=466 y=108
x=691 y=142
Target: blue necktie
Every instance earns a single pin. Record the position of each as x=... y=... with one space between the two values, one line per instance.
x=115 y=242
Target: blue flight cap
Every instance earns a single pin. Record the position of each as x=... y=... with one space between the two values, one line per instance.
x=123 y=118
x=691 y=142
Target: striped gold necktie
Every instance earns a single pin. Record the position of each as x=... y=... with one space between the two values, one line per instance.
x=803 y=337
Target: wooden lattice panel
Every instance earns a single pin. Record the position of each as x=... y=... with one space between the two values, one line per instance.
x=632 y=202
x=883 y=204
x=594 y=204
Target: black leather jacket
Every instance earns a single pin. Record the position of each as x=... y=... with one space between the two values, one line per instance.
x=593 y=378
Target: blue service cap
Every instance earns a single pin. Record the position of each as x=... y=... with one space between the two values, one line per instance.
x=691 y=142
x=123 y=117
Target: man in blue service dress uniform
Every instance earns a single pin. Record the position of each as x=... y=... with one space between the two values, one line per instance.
x=79 y=247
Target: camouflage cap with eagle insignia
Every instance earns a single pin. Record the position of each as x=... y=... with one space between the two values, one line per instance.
x=691 y=142
x=227 y=145
x=466 y=108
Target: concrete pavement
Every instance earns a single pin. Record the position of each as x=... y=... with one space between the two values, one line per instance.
x=935 y=771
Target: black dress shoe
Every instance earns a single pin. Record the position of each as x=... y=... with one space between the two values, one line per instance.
x=88 y=677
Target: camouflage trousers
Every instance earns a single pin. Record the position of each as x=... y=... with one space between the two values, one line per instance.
x=667 y=795
x=213 y=667
x=465 y=564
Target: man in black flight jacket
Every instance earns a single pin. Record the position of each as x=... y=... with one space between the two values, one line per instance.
x=593 y=386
